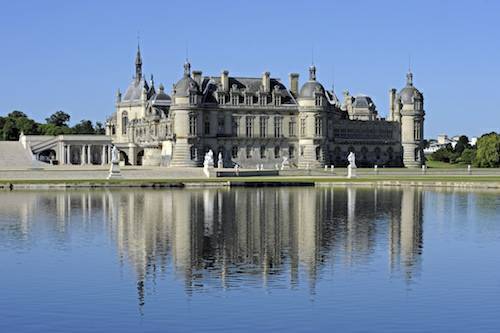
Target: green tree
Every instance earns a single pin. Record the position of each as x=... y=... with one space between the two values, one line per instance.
x=468 y=156
x=488 y=151
x=462 y=144
x=83 y=127
x=60 y=119
x=51 y=129
x=99 y=129
x=444 y=154
x=17 y=122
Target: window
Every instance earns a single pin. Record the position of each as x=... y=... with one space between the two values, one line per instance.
x=248 y=99
x=262 y=152
x=192 y=98
x=249 y=126
x=234 y=125
x=124 y=122
x=206 y=126
x=277 y=99
x=192 y=124
x=193 y=152
x=318 y=100
x=318 y=126
x=235 y=99
x=277 y=126
x=249 y=152
x=318 y=153
x=234 y=152
x=291 y=127
x=303 y=126
x=262 y=99
x=276 y=152
x=263 y=126
x=220 y=125
x=291 y=152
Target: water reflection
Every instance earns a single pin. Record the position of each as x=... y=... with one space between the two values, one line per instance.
x=211 y=238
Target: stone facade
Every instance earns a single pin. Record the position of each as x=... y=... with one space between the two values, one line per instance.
x=259 y=121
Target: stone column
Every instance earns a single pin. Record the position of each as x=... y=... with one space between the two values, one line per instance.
x=68 y=154
x=109 y=154
x=103 y=155
x=89 y=154
x=82 y=157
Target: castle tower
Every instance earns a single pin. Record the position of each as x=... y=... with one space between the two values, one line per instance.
x=312 y=123
x=188 y=121
x=411 y=114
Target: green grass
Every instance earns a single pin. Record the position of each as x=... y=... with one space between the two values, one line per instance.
x=444 y=165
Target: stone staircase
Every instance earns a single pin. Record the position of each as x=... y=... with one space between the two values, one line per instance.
x=181 y=156
x=14 y=156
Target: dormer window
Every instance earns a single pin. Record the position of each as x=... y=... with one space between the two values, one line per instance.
x=192 y=98
x=235 y=99
x=248 y=99
x=318 y=100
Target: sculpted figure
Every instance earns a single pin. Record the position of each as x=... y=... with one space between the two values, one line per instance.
x=115 y=155
x=351 y=158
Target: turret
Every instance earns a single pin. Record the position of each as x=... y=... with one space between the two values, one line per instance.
x=412 y=114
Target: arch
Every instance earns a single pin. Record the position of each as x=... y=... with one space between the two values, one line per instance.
x=262 y=151
x=124 y=157
x=277 y=152
x=140 y=157
x=234 y=152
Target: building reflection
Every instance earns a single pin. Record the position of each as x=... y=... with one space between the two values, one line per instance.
x=209 y=238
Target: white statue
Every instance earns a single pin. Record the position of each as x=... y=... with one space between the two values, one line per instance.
x=220 y=163
x=351 y=158
x=115 y=155
x=351 y=168
x=285 y=163
x=209 y=159
x=114 y=169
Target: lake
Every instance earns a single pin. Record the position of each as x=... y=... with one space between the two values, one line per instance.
x=250 y=259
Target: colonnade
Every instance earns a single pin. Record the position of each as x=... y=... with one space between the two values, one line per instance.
x=87 y=153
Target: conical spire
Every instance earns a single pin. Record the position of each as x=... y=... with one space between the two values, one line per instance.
x=138 y=64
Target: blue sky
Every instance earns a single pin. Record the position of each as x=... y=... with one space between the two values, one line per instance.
x=74 y=55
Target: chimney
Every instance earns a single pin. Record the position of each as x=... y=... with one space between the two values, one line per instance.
x=224 y=79
x=392 y=104
x=294 y=84
x=266 y=81
x=197 y=77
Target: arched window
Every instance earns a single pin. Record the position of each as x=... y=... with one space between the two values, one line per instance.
x=124 y=122
x=276 y=152
x=291 y=152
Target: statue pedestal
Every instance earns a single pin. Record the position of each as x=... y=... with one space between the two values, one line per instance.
x=351 y=171
x=114 y=171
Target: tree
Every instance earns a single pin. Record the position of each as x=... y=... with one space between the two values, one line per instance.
x=60 y=119
x=83 y=127
x=99 y=129
x=17 y=122
x=468 y=156
x=488 y=151
x=444 y=154
x=462 y=144
x=51 y=129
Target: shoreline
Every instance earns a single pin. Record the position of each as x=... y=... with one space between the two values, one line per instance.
x=476 y=182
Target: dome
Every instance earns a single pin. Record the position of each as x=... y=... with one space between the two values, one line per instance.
x=309 y=88
x=362 y=101
x=409 y=93
x=184 y=85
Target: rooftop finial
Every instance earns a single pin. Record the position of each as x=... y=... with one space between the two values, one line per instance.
x=187 y=68
x=312 y=73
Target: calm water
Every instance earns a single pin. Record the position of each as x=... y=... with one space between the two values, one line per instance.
x=282 y=259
